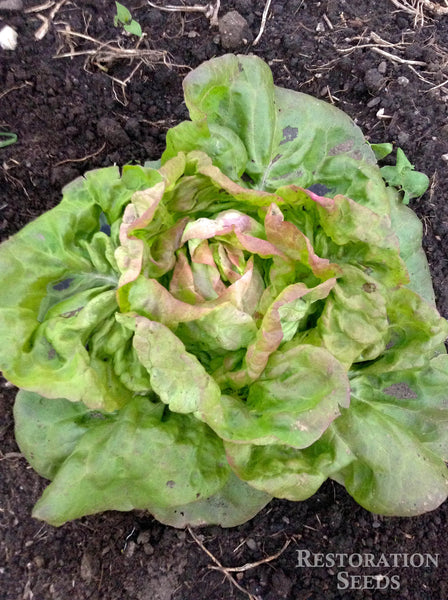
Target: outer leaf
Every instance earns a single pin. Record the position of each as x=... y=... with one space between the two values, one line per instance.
x=416 y=333
x=353 y=325
x=142 y=458
x=397 y=443
x=410 y=232
x=233 y=505
x=47 y=431
x=49 y=313
x=287 y=472
x=290 y=138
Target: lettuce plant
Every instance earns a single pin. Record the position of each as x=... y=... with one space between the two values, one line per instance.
x=242 y=321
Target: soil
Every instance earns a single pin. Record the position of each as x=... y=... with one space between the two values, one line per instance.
x=72 y=114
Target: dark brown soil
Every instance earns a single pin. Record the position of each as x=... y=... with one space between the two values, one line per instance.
x=72 y=115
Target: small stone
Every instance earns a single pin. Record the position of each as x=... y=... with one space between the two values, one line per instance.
x=148 y=549
x=8 y=38
x=404 y=81
x=39 y=561
x=130 y=549
x=86 y=570
x=373 y=102
x=373 y=80
x=234 y=30
x=382 y=67
x=251 y=544
x=143 y=537
x=320 y=27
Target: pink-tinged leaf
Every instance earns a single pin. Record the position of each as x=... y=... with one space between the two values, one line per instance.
x=206 y=275
x=146 y=203
x=292 y=242
x=129 y=255
x=367 y=235
x=241 y=293
x=235 y=256
x=150 y=298
x=204 y=229
x=223 y=224
x=160 y=256
x=202 y=254
x=137 y=215
x=270 y=334
x=182 y=284
x=229 y=260
x=327 y=203
x=258 y=246
x=253 y=197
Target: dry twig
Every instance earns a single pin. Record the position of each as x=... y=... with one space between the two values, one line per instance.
x=248 y=566
x=46 y=21
x=228 y=570
x=232 y=580
x=417 y=8
x=16 y=87
x=107 y=52
x=397 y=59
x=74 y=160
x=209 y=10
x=263 y=22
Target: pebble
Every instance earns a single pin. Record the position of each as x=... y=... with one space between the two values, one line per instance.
x=39 y=561
x=382 y=67
x=8 y=38
x=251 y=544
x=234 y=30
x=404 y=81
x=373 y=102
x=373 y=80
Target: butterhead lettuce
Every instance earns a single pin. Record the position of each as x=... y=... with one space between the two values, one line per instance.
x=245 y=320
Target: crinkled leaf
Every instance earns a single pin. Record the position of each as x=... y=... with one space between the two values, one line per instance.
x=289 y=137
x=49 y=313
x=354 y=324
x=293 y=402
x=398 y=443
x=224 y=147
x=177 y=377
x=140 y=458
x=287 y=472
x=416 y=332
